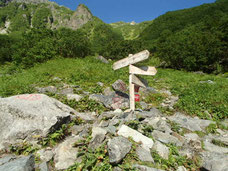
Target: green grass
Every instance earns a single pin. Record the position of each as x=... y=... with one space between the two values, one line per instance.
x=196 y=99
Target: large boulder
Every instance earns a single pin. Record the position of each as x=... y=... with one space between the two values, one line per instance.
x=25 y=117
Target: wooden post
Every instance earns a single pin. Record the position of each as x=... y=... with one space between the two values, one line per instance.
x=131 y=93
x=133 y=79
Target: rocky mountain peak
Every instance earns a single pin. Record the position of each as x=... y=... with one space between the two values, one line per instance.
x=80 y=17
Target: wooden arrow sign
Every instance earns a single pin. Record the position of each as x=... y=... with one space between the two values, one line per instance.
x=131 y=59
x=142 y=70
x=139 y=81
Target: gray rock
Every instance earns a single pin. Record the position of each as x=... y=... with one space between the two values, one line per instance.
x=45 y=154
x=100 y=84
x=116 y=101
x=104 y=124
x=21 y=164
x=119 y=85
x=6 y=159
x=87 y=117
x=181 y=168
x=162 y=125
x=66 y=153
x=144 y=105
x=76 y=129
x=191 y=136
x=49 y=89
x=144 y=154
x=118 y=148
x=207 y=82
x=117 y=169
x=108 y=92
x=127 y=132
x=57 y=79
x=66 y=91
x=75 y=97
x=166 y=138
x=44 y=166
x=145 y=168
x=98 y=136
x=193 y=124
x=215 y=161
x=24 y=116
x=161 y=149
x=111 y=129
x=151 y=114
x=102 y=59
x=214 y=148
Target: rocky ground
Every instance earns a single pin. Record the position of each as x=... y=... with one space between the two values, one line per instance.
x=39 y=132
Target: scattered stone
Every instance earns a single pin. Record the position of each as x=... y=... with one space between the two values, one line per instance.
x=108 y=92
x=199 y=72
x=44 y=166
x=145 y=168
x=119 y=85
x=117 y=169
x=166 y=138
x=192 y=136
x=57 y=79
x=162 y=125
x=66 y=153
x=144 y=154
x=67 y=91
x=144 y=105
x=111 y=129
x=102 y=59
x=25 y=163
x=76 y=129
x=25 y=117
x=118 y=111
x=161 y=149
x=98 y=136
x=45 y=154
x=127 y=132
x=75 y=97
x=49 y=89
x=193 y=124
x=215 y=161
x=87 y=117
x=214 y=148
x=207 y=82
x=118 y=148
x=181 y=168
x=104 y=124
x=100 y=84
x=170 y=102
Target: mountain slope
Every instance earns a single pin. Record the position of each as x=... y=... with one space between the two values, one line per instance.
x=131 y=30
x=20 y=15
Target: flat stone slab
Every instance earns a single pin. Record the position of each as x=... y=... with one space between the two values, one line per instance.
x=25 y=116
x=166 y=138
x=127 y=132
x=193 y=124
x=215 y=161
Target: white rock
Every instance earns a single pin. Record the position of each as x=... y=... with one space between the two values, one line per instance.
x=181 y=168
x=65 y=153
x=161 y=149
x=75 y=97
x=127 y=132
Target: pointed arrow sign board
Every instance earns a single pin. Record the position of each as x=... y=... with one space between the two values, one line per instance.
x=142 y=70
x=139 y=81
x=141 y=56
x=133 y=79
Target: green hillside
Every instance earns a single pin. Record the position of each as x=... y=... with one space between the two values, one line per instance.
x=193 y=39
x=132 y=30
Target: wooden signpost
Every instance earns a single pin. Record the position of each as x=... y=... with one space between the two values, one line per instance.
x=133 y=71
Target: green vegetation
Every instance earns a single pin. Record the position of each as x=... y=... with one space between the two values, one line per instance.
x=192 y=39
x=130 y=31
x=42 y=17
x=197 y=99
